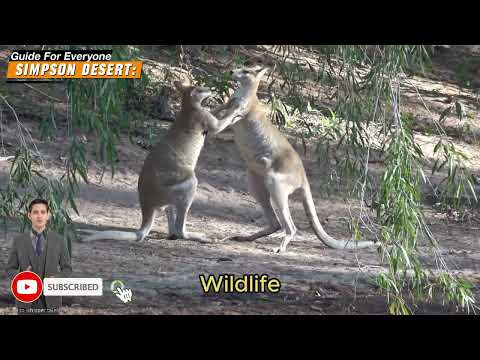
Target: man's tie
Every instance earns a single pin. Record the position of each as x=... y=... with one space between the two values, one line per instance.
x=39 y=244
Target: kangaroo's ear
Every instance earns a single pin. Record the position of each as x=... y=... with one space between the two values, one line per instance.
x=262 y=72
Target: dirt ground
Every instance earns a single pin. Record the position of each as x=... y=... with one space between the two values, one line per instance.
x=164 y=274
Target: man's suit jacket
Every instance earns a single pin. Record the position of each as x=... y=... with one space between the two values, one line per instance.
x=55 y=255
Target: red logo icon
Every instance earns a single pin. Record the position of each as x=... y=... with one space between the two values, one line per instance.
x=27 y=286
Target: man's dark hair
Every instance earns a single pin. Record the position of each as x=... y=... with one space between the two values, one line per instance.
x=38 y=201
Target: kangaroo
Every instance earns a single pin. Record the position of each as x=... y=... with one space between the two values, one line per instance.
x=167 y=180
x=274 y=168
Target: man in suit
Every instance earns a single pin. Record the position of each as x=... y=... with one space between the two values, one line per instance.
x=43 y=252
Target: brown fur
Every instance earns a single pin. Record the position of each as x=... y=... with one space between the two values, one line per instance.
x=274 y=168
x=167 y=179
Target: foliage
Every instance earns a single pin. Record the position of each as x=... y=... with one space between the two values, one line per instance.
x=367 y=82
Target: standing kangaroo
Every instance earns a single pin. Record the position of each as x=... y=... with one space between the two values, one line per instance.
x=167 y=180
x=274 y=168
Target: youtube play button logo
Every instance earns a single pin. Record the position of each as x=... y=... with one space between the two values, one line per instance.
x=27 y=286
